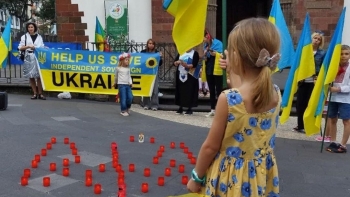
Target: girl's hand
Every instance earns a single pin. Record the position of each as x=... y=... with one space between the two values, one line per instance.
x=130 y=85
x=177 y=63
x=114 y=85
x=335 y=89
x=193 y=186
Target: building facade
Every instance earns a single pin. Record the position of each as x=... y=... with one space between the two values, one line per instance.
x=76 y=18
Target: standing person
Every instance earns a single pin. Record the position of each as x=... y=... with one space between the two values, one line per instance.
x=213 y=72
x=339 y=105
x=124 y=82
x=306 y=86
x=29 y=42
x=186 y=85
x=237 y=158
x=153 y=101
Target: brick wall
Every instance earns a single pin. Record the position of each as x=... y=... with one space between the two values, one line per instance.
x=162 y=23
x=324 y=16
x=69 y=25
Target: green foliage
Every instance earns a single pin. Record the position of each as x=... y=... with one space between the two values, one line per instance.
x=17 y=8
x=47 y=11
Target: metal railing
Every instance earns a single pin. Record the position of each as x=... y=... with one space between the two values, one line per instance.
x=13 y=73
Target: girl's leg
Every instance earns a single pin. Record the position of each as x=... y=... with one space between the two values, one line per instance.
x=129 y=97
x=33 y=86
x=122 y=97
x=331 y=129
x=346 y=133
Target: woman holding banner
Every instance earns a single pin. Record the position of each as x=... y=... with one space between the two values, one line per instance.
x=306 y=86
x=29 y=42
x=152 y=102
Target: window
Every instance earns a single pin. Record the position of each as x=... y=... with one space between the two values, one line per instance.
x=11 y=20
x=17 y=22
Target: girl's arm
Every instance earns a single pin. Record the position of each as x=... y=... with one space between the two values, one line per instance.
x=116 y=77
x=130 y=80
x=213 y=142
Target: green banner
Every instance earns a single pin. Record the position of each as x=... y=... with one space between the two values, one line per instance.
x=117 y=18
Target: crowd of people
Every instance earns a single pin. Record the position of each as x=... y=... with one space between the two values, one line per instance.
x=237 y=157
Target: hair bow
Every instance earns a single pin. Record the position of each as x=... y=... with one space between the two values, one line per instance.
x=265 y=59
x=123 y=56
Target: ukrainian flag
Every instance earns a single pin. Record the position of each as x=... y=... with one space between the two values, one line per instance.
x=99 y=35
x=287 y=47
x=328 y=72
x=5 y=44
x=303 y=67
x=189 y=25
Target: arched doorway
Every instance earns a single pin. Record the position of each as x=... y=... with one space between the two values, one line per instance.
x=240 y=9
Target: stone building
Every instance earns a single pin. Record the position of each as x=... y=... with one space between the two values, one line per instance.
x=324 y=16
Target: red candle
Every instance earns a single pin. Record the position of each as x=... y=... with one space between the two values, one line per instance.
x=26 y=173
x=119 y=168
x=181 y=168
x=77 y=159
x=131 y=167
x=115 y=157
x=184 y=180
x=193 y=160
x=53 y=140
x=52 y=166
x=102 y=167
x=162 y=148
x=189 y=155
x=172 y=145
x=147 y=172
x=88 y=181
x=46 y=181
x=65 y=162
x=74 y=151
x=132 y=138
x=114 y=151
x=167 y=172
x=159 y=153
x=65 y=172
x=185 y=150
x=121 y=174
x=122 y=188
x=152 y=140
x=113 y=146
x=97 y=188
x=37 y=158
x=172 y=162
x=34 y=164
x=144 y=187
x=182 y=145
x=43 y=152
x=66 y=140
x=155 y=160
x=24 y=181
x=49 y=146
x=121 y=194
x=115 y=164
x=161 y=181
x=120 y=180
x=88 y=173
x=72 y=145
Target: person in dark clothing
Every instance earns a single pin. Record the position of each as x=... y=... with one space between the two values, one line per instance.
x=187 y=85
x=306 y=86
x=212 y=50
x=152 y=102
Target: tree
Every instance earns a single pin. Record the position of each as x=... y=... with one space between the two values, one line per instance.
x=47 y=11
x=18 y=8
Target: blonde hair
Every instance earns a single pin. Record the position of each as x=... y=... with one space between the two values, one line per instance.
x=245 y=43
x=322 y=39
x=345 y=47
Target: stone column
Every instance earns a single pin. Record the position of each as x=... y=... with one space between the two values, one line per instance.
x=140 y=20
x=211 y=17
x=346 y=31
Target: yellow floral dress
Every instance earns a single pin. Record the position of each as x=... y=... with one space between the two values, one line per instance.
x=245 y=165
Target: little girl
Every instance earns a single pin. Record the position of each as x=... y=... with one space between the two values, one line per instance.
x=124 y=82
x=237 y=158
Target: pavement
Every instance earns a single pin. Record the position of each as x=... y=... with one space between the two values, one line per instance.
x=27 y=125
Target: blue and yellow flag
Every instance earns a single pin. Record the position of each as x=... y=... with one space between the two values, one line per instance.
x=303 y=67
x=99 y=35
x=189 y=25
x=287 y=48
x=328 y=72
x=5 y=44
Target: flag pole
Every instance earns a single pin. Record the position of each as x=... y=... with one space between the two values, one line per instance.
x=325 y=124
x=224 y=38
